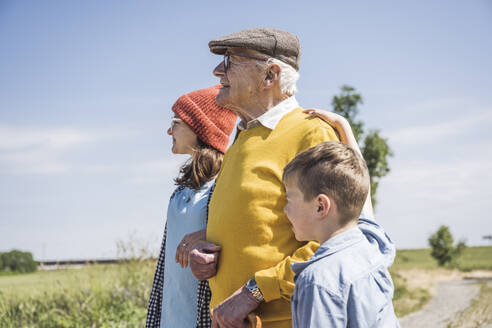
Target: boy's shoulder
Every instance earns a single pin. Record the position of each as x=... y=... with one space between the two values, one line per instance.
x=336 y=272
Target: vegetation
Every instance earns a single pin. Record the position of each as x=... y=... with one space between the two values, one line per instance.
x=17 y=261
x=114 y=295
x=472 y=258
x=410 y=299
x=374 y=148
x=117 y=295
x=478 y=313
x=442 y=247
x=406 y=300
x=94 y=296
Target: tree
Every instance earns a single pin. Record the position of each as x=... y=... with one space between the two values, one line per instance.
x=442 y=246
x=374 y=148
x=18 y=261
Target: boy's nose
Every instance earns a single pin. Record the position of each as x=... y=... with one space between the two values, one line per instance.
x=170 y=131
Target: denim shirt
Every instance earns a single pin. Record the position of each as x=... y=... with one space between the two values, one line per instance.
x=346 y=283
x=186 y=213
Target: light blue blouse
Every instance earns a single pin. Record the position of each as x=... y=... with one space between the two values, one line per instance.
x=186 y=213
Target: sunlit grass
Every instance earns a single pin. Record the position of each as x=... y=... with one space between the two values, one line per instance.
x=117 y=295
x=94 y=296
x=478 y=313
x=473 y=258
x=407 y=300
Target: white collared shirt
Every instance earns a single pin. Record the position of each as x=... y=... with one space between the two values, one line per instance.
x=271 y=117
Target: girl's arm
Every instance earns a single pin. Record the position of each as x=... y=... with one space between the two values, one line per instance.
x=342 y=126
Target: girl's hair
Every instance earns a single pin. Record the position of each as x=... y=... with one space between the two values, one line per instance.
x=202 y=167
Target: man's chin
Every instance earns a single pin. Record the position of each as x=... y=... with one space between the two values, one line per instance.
x=222 y=98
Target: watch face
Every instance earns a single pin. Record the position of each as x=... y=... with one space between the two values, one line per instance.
x=251 y=283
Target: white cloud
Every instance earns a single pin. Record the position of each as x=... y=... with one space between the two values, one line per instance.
x=439 y=104
x=161 y=170
x=40 y=150
x=420 y=194
x=33 y=161
x=431 y=133
x=441 y=181
x=18 y=138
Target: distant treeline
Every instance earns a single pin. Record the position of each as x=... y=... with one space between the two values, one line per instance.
x=17 y=261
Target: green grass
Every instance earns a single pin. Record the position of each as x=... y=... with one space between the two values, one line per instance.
x=47 y=281
x=117 y=295
x=407 y=300
x=94 y=296
x=478 y=313
x=473 y=258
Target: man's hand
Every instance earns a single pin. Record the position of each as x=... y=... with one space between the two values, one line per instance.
x=185 y=246
x=233 y=312
x=203 y=260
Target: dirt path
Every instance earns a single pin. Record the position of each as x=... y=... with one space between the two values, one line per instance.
x=450 y=297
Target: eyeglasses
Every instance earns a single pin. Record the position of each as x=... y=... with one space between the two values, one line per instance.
x=175 y=121
x=227 y=59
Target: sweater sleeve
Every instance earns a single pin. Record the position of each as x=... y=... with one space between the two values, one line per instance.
x=277 y=281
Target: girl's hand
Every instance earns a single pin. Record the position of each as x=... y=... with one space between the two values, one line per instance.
x=339 y=123
x=186 y=245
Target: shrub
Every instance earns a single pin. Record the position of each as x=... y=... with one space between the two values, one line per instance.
x=442 y=247
x=17 y=261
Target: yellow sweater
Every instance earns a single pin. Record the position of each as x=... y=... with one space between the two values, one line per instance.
x=246 y=214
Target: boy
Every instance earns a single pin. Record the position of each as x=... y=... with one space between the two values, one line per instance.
x=346 y=283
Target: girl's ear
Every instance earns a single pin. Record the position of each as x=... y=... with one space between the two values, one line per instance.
x=324 y=204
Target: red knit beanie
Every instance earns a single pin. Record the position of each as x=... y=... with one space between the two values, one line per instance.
x=211 y=123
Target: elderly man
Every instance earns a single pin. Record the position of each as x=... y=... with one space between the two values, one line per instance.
x=250 y=243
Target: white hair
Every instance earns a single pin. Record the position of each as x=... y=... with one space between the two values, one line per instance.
x=288 y=76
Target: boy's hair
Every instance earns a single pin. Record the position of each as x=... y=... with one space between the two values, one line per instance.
x=333 y=169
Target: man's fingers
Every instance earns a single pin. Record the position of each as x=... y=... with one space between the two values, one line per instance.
x=203 y=258
x=212 y=249
x=203 y=271
x=198 y=257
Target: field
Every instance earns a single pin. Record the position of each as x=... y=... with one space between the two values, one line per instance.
x=473 y=258
x=117 y=295
x=94 y=296
x=415 y=274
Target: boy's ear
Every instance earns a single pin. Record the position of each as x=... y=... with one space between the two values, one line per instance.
x=324 y=204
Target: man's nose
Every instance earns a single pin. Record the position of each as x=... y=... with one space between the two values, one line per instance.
x=170 y=131
x=219 y=70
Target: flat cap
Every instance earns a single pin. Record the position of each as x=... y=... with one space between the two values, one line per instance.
x=278 y=44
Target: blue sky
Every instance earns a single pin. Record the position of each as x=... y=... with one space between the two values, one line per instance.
x=86 y=89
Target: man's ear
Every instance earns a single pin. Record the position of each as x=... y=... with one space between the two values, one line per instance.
x=324 y=204
x=272 y=75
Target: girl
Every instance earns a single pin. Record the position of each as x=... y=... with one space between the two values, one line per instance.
x=201 y=129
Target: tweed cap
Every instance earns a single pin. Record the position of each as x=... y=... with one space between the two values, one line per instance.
x=278 y=44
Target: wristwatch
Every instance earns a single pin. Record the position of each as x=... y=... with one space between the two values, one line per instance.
x=254 y=290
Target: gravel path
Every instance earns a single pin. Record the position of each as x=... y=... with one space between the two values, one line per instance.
x=450 y=297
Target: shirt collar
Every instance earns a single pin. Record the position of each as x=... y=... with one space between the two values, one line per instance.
x=271 y=117
x=331 y=246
